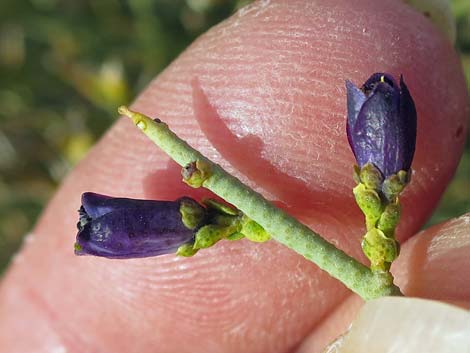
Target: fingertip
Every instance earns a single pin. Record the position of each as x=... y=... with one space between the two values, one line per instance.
x=434 y=263
x=272 y=78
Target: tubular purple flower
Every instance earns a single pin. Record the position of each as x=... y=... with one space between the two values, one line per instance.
x=122 y=228
x=381 y=124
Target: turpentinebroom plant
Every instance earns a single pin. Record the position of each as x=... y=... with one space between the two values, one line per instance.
x=381 y=130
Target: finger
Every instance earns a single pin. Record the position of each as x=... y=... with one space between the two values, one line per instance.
x=273 y=76
x=392 y=324
x=434 y=264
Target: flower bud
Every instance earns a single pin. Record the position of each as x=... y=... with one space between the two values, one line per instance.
x=381 y=124
x=126 y=228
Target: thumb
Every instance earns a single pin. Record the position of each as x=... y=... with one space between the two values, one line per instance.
x=263 y=95
x=434 y=265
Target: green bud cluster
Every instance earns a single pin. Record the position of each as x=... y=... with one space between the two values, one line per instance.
x=222 y=221
x=378 y=200
x=195 y=173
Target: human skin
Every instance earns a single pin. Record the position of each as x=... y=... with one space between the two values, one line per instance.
x=263 y=95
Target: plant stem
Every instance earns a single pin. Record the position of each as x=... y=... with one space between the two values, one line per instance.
x=282 y=227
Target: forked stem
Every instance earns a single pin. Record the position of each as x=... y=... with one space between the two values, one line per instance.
x=281 y=226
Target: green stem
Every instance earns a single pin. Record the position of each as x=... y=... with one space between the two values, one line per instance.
x=282 y=227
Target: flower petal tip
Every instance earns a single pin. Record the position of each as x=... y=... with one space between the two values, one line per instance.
x=78 y=250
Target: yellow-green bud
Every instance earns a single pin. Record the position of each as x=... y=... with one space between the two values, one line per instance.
x=253 y=231
x=379 y=249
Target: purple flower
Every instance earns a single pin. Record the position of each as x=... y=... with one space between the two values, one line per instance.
x=125 y=228
x=381 y=123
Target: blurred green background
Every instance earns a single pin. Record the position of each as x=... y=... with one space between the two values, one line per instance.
x=60 y=84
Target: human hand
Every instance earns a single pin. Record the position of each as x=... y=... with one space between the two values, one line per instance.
x=263 y=94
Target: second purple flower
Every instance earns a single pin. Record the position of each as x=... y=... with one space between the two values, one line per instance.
x=127 y=228
x=381 y=124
